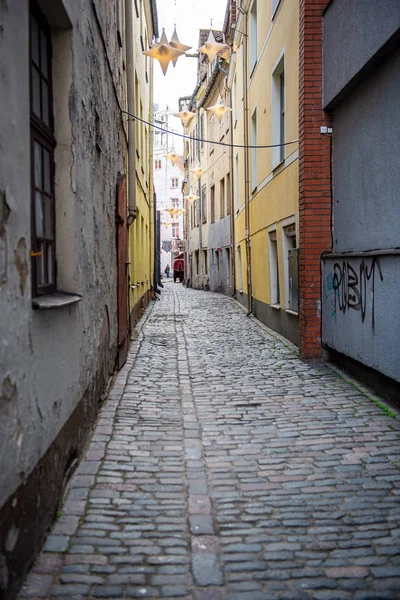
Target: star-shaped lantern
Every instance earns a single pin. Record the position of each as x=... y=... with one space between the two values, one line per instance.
x=191 y=197
x=198 y=171
x=186 y=117
x=219 y=110
x=175 y=43
x=211 y=47
x=164 y=52
x=173 y=156
x=167 y=224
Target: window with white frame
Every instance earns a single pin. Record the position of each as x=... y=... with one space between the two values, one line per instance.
x=175 y=202
x=291 y=267
x=275 y=296
x=254 y=180
x=222 y=198
x=211 y=130
x=278 y=112
x=174 y=182
x=157 y=164
x=175 y=230
x=253 y=35
x=228 y=194
x=275 y=4
x=235 y=99
x=239 y=268
x=236 y=191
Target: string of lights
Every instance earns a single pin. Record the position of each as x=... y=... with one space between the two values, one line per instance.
x=196 y=139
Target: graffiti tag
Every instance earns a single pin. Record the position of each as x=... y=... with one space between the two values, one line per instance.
x=349 y=285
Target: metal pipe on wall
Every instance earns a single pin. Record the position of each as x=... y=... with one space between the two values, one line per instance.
x=130 y=76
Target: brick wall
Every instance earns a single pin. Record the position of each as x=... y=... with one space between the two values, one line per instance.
x=314 y=177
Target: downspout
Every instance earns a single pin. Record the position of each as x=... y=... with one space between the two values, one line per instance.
x=247 y=170
x=232 y=219
x=130 y=71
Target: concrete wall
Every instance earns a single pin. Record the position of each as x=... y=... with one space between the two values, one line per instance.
x=55 y=362
x=360 y=314
x=354 y=32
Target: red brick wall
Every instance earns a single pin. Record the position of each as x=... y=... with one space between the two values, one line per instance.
x=314 y=177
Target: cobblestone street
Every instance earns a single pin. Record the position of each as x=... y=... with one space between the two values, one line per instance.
x=222 y=467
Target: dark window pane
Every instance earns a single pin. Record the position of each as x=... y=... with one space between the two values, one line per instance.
x=36 y=92
x=48 y=221
x=47 y=171
x=35 y=40
x=38 y=165
x=44 y=61
x=40 y=265
x=45 y=103
x=38 y=214
x=50 y=277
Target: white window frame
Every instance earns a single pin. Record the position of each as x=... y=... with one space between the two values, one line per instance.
x=253 y=128
x=275 y=5
x=237 y=195
x=274 y=272
x=286 y=246
x=277 y=136
x=239 y=269
x=253 y=36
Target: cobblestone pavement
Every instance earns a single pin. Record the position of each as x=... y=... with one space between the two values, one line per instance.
x=223 y=467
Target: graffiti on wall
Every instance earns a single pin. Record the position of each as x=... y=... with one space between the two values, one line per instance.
x=352 y=286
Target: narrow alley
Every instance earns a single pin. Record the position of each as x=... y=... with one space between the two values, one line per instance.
x=223 y=467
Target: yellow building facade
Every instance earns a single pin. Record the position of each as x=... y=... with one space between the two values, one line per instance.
x=264 y=81
x=140 y=183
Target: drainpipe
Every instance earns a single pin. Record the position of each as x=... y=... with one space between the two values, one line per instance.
x=130 y=71
x=232 y=214
x=247 y=170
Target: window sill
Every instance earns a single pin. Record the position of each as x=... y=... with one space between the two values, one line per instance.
x=276 y=306
x=55 y=300
x=292 y=312
x=278 y=164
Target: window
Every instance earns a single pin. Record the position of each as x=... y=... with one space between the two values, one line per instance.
x=196 y=260
x=119 y=17
x=222 y=198
x=239 y=269
x=275 y=297
x=157 y=164
x=237 y=203
x=174 y=182
x=175 y=230
x=175 y=202
x=43 y=144
x=254 y=180
x=204 y=203
x=278 y=106
x=228 y=194
x=212 y=207
x=291 y=267
x=235 y=99
x=202 y=130
x=253 y=35
x=217 y=271
x=205 y=262
x=228 y=267
x=212 y=133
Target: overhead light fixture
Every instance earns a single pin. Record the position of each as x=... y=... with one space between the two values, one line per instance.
x=173 y=156
x=191 y=197
x=198 y=171
x=175 y=43
x=186 y=116
x=167 y=224
x=164 y=52
x=219 y=110
x=212 y=47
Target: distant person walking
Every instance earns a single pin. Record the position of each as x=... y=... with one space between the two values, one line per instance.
x=167 y=269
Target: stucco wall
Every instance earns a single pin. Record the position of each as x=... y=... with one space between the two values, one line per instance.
x=353 y=33
x=52 y=359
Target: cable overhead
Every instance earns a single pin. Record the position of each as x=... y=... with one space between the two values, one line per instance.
x=188 y=137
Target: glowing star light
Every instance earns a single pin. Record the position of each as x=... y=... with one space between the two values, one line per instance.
x=173 y=156
x=191 y=198
x=175 y=43
x=219 y=110
x=163 y=52
x=167 y=224
x=198 y=171
x=186 y=117
x=212 y=47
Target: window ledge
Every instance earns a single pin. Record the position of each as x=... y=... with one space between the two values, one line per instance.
x=55 y=300
x=292 y=312
x=274 y=168
x=276 y=306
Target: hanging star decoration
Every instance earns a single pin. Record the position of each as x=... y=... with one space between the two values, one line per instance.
x=173 y=156
x=186 y=116
x=211 y=47
x=167 y=224
x=219 y=110
x=163 y=52
x=198 y=171
x=175 y=43
x=191 y=197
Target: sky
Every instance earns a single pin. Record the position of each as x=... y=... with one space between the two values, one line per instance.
x=189 y=16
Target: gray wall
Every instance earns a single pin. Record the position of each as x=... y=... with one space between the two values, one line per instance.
x=219 y=237
x=51 y=360
x=360 y=315
x=353 y=33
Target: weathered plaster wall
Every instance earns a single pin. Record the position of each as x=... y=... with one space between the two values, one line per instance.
x=53 y=360
x=360 y=314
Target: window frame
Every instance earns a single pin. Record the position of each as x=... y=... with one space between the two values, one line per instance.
x=42 y=134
